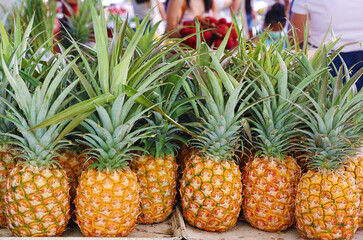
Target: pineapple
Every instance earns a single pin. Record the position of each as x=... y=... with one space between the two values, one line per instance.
x=7 y=154
x=328 y=196
x=327 y=204
x=157 y=177
x=156 y=170
x=121 y=77
x=107 y=200
x=184 y=154
x=270 y=186
x=37 y=200
x=37 y=189
x=355 y=166
x=211 y=187
x=270 y=177
x=77 y=26
x=71 y=160
x=7 y=162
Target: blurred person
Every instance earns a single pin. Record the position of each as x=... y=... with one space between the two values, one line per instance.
x=182 y=10
x=250 y=16
x=345 y=21
x=142 y=9
x=226 y=8
x=275 y=20
x=286 y=3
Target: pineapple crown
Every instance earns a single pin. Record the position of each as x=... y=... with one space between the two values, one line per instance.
x=37 y=146
x=79 y=25
x=166 y=134
x=112 y=139
x=274 y=129
x=275 y=122
x=11 y=46
x=43 y=14
x=334 y=123
x=163 y=137
x=219 y=130
x=130 y=63
x=5 y=126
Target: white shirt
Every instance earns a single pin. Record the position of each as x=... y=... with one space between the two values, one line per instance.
x=346 y=17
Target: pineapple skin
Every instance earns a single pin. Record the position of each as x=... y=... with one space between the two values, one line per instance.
x=6 y=164
x=107 y=203
x=355 y=166
x=37 y=201
x=157 y=178
x=269 y=191
x=185 y=153
x=327 y=205
x=211 y=193
x=72 y=163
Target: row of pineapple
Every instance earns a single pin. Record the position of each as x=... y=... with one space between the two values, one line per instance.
x=129 y=104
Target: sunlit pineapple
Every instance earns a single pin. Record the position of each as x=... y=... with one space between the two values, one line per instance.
x=71 y=160
x=37 y=190
x=7 y=153
x=156 y=169
x=355 y=166
x=107 y=200
x=157 y=177
x=271 y=175
x=211 y=187
x=328 y=197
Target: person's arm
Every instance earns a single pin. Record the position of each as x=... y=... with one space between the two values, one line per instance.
x=236 y=5
x=287 y=7
x=215 y=9
x=174 y=15
x=161 y=10
x=298 y=21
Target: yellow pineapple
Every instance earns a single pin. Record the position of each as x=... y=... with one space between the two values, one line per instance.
x=328 y=196
x=355 y=166
x=269 y=192
x=211 y=193
x=108 y=200
x=211 y=187
x=327 y=205
x=271 y=174
x=157 y=177
x=157 y=170
x=37 y=200
x=107 y=203
x=72 y=162
x=7 y=162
